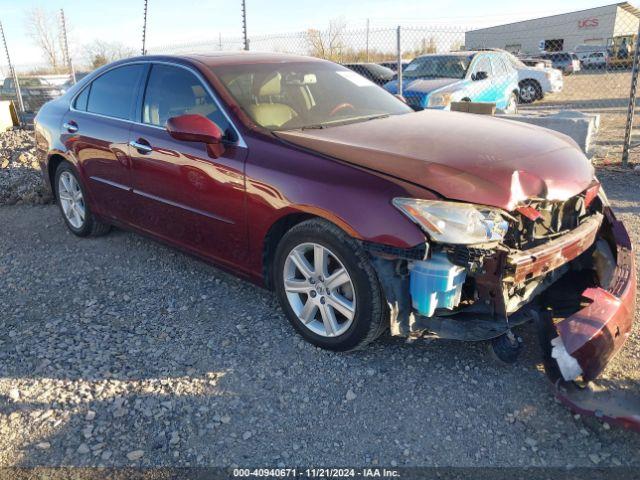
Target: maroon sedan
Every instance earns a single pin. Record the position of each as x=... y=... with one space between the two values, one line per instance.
x=302 y=176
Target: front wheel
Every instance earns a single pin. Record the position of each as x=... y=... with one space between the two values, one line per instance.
x=328 y=287
x=512 y=104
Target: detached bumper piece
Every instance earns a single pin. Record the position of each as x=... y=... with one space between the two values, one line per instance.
x=587 y=340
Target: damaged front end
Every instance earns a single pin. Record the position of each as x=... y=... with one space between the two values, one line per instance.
x=566 y=265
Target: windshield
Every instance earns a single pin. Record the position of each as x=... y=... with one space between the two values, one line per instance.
x=438 y=66
x=286 y=96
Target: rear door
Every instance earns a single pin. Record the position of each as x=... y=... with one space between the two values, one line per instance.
x=502 y=82
x=481 y=90
x=181 y=193
x=96 y=131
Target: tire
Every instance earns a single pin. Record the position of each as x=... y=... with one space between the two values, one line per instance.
x=313 y=294
x=529 y=92
x=70 y=197
x=512 y=104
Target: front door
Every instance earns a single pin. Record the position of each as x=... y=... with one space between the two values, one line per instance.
x=181 y=193
x=96 y=131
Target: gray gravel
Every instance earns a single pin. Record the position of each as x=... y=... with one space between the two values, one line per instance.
x=120 y=351
x=20 y=178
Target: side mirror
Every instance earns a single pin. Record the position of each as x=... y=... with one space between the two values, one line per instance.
x=476 y=77
x=196 y=128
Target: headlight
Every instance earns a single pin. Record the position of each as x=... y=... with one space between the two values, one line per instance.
x=440 y=100
x=452 y=222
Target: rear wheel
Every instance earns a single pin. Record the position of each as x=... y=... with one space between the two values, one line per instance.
x=70 y=197
x=328 y=287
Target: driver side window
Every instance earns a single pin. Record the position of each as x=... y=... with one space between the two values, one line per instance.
x=483 y=65
x=173 y=91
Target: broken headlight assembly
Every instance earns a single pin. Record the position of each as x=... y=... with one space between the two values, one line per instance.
x=453 y=222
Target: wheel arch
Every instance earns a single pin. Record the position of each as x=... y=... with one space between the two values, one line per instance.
x=286 y=222
x=53 y=162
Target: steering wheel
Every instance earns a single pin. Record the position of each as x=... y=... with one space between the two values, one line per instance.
x=341 y=106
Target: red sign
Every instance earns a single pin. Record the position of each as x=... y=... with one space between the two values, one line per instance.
x=588 y=23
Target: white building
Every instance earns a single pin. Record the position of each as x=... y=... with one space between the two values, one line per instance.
x=564 y=32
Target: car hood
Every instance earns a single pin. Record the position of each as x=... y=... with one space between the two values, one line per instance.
x=424 y=85
x=461 y=156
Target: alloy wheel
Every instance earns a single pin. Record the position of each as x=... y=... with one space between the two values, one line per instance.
x=71 y=199
x=319 y=289
x=528 y=93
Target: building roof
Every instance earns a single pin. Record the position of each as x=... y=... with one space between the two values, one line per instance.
x=623 y=5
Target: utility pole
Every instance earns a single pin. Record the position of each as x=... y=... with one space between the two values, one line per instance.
x=144 y=29
x=367 y=40
x=244 y=24
x=12 y=72
x=220 y=41
x=65 y=46
x=399 y=59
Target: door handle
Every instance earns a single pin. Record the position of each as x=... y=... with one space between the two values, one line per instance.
x=71 y=126
x=143 y=148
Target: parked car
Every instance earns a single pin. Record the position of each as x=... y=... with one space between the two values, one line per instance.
x=535 y=82
x=568 y=63
x=35 y=91
x=69 y=83
x=394 y=65
x=595 y=60
x=536 y=62
x=436 y=80
x=374 y=72
x=300 y=175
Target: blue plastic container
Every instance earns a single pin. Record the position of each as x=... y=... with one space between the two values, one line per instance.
x=435 y=283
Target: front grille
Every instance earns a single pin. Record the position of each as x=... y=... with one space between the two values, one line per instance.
x=556 y=218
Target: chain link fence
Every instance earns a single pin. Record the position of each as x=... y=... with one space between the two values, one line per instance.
x=590 y=75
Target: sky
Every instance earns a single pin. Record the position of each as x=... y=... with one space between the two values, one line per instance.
x=173 y=22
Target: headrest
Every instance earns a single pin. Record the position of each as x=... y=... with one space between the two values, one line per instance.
x=267 y=86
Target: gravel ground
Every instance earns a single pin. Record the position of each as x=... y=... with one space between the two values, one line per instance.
x=119 y=351
x=20 y=178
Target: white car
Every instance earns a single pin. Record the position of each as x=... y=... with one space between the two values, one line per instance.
x=595 y=60
x=535 y=82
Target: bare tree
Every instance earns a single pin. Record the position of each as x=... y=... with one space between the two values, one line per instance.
x=99 y=52
x=42 y=26
x=327 y=44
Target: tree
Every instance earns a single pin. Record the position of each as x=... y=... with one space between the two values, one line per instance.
x=43 y=28
x=100 y=53
x=327 y=44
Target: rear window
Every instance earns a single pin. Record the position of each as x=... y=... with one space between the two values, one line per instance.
x=112 y=93
x=81 y=100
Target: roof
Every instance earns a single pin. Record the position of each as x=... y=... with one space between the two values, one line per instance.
x=623 y=5
x=244 y=57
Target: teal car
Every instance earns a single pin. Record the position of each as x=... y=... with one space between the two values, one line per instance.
x=436 y=80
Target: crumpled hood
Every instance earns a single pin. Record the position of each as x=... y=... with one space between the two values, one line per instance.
x=422 y=85
x=472 y=158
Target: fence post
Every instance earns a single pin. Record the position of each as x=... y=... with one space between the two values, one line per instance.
x=367 y=40
x=399 y=47
x=632 y=102
x=144 y=29
x=12 y=72
x=244 y=25
x=65 y=45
